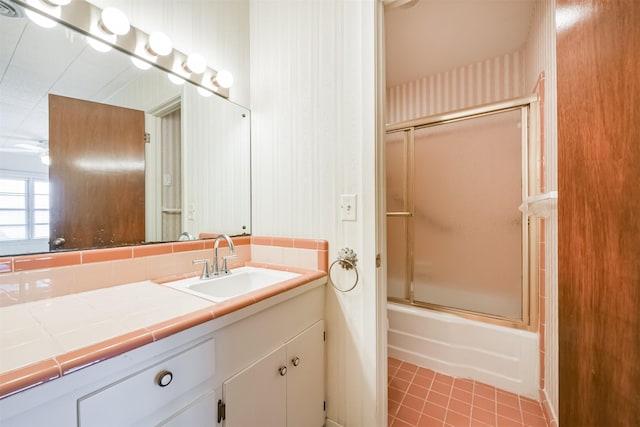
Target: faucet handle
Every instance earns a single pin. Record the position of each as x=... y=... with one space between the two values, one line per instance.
x=206 y=270
x=225 y=269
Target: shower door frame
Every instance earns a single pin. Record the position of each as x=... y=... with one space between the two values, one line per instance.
x=530 y=171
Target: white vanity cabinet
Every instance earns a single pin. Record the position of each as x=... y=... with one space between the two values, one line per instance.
x=168 y=382
x=284 y=388
x=178 y=380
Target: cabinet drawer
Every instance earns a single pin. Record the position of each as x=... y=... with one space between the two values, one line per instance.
x=156 y=390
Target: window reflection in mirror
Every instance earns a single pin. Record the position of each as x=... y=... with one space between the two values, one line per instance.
x=196 y=161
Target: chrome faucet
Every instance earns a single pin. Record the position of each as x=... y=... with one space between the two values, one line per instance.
x=217 y=270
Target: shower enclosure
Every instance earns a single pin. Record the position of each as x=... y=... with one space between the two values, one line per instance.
x=456 y=239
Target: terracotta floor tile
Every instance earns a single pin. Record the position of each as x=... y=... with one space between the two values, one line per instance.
x=393 y=407
x=485 y=391
x=509 y=399
x=482 y=403
x=487 y=417
x=395 y=394
x=397 y=422
x=405 y=375
x=459 y=394
x=393 y=362
x=408 y=415
x=458 y=420
x=422 y=380
x=420 y=397
x=441 y=387
x=444 y=378
x=476 y=423
x=418 y=391
x=435 y=411
x=428 y=421
x=425 y=372
x=530 y=406
x=460 y=406
x=409 y=367
x=413 y=402
x=399 y=383
x=508 y=422
x=463 y=384
x=532 y=420
x=438 y=398
x=509 y=412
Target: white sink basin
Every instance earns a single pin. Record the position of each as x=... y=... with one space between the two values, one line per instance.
x=241 y=281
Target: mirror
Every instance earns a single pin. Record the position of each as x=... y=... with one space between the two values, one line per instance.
x=196 y=157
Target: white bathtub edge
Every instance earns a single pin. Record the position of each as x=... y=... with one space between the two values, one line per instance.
x=517 y=372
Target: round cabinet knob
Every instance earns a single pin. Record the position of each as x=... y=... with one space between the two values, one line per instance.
x=164 y=378
x=283 y=371
x=295 y=361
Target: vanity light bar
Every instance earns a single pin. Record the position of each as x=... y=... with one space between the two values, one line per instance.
x=85 y=17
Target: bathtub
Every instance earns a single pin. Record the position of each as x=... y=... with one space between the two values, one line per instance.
x=500 y=356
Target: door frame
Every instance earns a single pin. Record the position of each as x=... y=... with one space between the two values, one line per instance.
x=380 y=217
x=153 y=166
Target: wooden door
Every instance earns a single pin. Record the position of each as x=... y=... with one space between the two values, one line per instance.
x=598 y=56
x=96 y=174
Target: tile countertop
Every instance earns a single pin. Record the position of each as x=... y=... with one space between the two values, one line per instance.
x=43 y=340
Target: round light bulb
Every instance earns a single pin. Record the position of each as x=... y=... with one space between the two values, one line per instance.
x=223 y=79
x=204 y=92
x=39 y=18
x=195 y=63
x=98 y=45
x=114 y=21
x=175 y=79
x=58 y=2
x=159 y=44
x=143 y=65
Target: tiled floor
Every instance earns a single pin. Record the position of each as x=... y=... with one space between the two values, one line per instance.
x=421 y=397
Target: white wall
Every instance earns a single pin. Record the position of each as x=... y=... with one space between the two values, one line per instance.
x=312 y=102
x=491 y=80
x=312 y=98
x=219 y=30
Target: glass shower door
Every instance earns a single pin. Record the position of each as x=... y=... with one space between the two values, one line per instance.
x=396 y=156
x=455 y=234
x=467 y=226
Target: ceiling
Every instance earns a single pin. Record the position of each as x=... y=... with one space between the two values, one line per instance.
x=425 y=37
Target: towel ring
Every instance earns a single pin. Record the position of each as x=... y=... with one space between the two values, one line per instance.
x=347 y=259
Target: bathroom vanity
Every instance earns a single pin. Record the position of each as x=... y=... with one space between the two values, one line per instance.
x=259 y=360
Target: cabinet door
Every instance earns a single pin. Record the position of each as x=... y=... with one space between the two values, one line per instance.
x=256 y=396
x=200 y=413
x=305 y=378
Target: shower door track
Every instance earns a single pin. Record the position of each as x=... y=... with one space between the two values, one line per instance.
x=529 y=316
x=465 y=113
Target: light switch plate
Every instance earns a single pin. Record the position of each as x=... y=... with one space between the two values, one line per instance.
x=348 y=207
